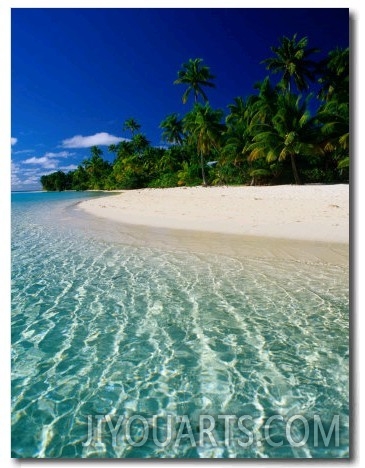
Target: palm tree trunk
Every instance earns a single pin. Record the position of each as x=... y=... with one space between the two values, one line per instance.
x=203 y=171
x=295 y=170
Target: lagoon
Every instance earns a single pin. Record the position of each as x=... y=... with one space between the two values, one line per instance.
x=122 y=328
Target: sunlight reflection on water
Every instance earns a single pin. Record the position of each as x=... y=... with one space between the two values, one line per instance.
x=107 y=328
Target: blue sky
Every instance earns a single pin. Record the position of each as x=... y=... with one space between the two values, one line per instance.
x=78 y=74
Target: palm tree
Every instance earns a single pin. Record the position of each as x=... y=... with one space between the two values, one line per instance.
x=232 y=162
x=195 y=76
x=95 y=162
x=240 y=110
x=265 y=106
x=132 y=125
x=334 y=117
x=238 y=133
x=172 y=129
x=291 y=133
x=97 y=168
x=291 y=59
x=112 y=148
x=203 y=126
x=140 y=143
x=171 y=159
x=334 y=113
x=335 y=76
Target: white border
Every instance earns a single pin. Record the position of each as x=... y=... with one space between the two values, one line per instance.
x=356 y=12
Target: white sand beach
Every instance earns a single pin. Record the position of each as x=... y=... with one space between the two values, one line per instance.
x=308 y=212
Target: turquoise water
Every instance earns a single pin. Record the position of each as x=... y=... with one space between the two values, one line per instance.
x=152 y=338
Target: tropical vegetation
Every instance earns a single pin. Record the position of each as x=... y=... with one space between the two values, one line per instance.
x=293 y=128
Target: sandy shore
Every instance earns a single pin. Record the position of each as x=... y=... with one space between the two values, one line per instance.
x=309 y=212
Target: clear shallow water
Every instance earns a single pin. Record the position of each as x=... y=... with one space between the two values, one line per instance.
x=110 y=329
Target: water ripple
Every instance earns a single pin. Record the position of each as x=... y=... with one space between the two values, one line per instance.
x=100 y=328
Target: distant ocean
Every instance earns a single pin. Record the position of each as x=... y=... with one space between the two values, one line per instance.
x=181 y=354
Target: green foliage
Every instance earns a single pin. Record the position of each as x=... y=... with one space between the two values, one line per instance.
x=132 y=125
x=140 y=143
x=344 y=163
x=290 y=134
x=315 y=175
x=227 y=174
x=204 y=128
x=196 y=76
x=334 y=77
x=97 y=169
x=189 y=174
x=291 y=59
x=334 y=114
x=172 y=129
x=267 y=138
x=57 y=181
x=260 y=176
x=80 y=179
x=172 y=158
x=131 y=179
x=335 y=132
x=169 y=179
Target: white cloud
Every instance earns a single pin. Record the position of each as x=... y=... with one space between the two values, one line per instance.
x=26 y=173
x=26 y=151
x=14 y=166
x=70 y=167
x=99 y=139
x=31 y=180
x=13 y=141
x=25 y=178
x=15 y=180
x=60 y=154
x=44 y=161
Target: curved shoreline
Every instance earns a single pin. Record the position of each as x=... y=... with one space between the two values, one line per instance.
x=308 y=212
x=312 y=222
